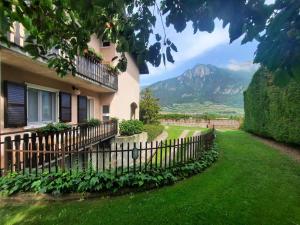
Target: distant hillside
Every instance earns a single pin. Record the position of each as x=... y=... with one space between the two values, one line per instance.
x=203 y=83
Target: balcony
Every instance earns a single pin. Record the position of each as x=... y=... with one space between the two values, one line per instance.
x=95 y=72
x=87 y=69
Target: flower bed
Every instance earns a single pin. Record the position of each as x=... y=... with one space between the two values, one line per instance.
x=92 y=181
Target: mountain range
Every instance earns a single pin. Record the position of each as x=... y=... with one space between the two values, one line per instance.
x=203 y=83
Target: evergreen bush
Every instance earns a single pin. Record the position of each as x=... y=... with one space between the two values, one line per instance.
x=272 y=106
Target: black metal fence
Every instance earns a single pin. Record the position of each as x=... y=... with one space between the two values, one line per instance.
x=81 y=152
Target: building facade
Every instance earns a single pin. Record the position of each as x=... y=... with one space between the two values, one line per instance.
x=32 y=95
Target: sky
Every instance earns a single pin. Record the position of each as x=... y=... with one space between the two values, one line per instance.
x=202 y=48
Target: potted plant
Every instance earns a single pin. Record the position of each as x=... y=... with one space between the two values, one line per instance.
x=92 y=55
x=52 y=128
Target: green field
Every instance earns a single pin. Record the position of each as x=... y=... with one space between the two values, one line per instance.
x=249 y=184
x=205 y=108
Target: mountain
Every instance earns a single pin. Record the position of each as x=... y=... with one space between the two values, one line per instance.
x=203 y=83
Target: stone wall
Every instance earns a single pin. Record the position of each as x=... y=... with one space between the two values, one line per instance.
x=116 y=158
x=218 y=123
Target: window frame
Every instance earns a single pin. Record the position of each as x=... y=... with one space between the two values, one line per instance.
x=90 y=109
x=102 y=44
x=55 y=105
x=105 y=115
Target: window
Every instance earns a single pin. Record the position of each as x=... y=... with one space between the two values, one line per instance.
x=90 y=108
x=105 y=43
x=41 y=106
x=105 y=112
x=105 y=109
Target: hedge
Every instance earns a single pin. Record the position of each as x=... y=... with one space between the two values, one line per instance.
x=272 y=107
x=153 y=130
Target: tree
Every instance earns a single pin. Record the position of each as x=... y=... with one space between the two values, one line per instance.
x=149 y=107
x=68 y=24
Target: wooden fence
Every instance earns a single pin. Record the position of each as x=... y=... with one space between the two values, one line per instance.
x=102 y=156
x=29 y=151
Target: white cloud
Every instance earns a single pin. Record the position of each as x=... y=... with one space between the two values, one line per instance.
x=244 y=66
x=269 y=2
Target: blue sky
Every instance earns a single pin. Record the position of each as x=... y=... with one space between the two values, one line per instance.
x=202 y=48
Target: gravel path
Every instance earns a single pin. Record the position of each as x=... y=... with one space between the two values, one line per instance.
x=196 y=133
x=184 y=134
x=285 y=149
x=163 y=136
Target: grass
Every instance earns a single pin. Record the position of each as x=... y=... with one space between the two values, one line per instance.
x=175 y=131
x=250 y=184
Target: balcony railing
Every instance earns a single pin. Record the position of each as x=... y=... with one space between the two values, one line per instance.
x=32 y=151
x=86 y=69
x=95 y=72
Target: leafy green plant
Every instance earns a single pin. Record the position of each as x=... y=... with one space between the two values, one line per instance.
x=93 y=55
x=131 y=127
x=153 y=130
x=114 y=119
x=92 y=181
x=93 y=122
x=53 y=128
x=272 y=107
x=112 y=69
x=149 y=107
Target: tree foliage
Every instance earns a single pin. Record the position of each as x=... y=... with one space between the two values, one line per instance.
x=68 y=24
x=149 y=107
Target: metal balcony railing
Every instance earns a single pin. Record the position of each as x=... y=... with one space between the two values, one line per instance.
x=86 y=68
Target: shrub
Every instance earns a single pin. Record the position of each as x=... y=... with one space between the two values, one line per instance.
x=131 y=127
x=52 y=128
x=153 y=130
x=149 y=107
x=272 y=106
x=92 y=181
x=93 y=122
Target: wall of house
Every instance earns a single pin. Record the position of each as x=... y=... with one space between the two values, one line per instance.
x=108 y=53
x=119 y=102
x=129 y=83
x=128 y=92
x=22 y=76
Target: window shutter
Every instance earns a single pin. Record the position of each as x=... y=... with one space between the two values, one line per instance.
x=65 y=107
x=15 y=104
x=82 y=109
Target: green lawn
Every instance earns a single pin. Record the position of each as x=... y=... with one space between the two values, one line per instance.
x=250 y=184
x=175 y=131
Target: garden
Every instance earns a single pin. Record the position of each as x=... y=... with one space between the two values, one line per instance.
x=250 y=183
